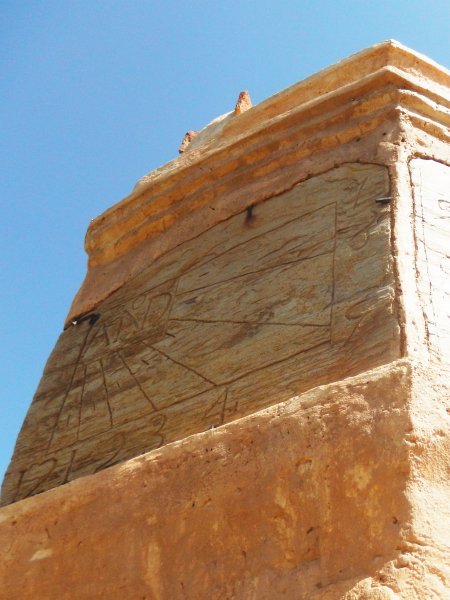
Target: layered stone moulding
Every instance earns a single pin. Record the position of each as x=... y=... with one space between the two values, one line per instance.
x=250 y=397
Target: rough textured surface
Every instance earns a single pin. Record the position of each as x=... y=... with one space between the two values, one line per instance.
x=243 y=103
x=431 y=188
x=188 y=137
x=301 y=242
x=376 y=106
x=340 y=493
x=294 y=292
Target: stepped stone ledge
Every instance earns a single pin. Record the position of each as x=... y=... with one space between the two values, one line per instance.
x=379 y=104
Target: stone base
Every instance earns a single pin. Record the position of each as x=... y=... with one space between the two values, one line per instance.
x=341 y=492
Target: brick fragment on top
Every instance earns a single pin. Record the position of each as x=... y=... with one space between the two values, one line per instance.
x=243 y=103
x=189 y=136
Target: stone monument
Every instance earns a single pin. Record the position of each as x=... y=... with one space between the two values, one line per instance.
x=250 y=397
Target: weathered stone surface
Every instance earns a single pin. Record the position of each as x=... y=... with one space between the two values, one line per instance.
x=431 y=189
x=294 y=292
x=302 y=242
x=383 y=104
x=340 y=493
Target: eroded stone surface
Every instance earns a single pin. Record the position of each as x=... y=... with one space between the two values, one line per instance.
x=220 y=286
x=292 y=293
x=431 y=188
x=339 y=494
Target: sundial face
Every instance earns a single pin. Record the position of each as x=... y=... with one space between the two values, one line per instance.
x=431 y=188
x=295 y=293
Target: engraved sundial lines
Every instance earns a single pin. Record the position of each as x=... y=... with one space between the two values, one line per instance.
x=215 y=412
x=243 y=347
x=106 y=393
x=238 y=318
x=69 y=385
x=296 y=239
x=431 y=184
x=184 y=366
x=136 y=380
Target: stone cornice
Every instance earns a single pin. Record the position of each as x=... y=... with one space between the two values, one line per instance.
x=363 y=103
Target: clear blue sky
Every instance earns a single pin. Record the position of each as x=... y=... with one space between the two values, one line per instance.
x=96 y=93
